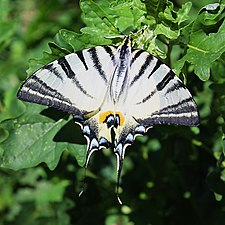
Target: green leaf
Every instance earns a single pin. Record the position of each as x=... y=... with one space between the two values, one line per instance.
x=82 y=41
x=171 y=20
x=44 y=192
x=33 y=139
x=12 y=107
x=114 y=18
x=5 y=23
x=165 y=30
x=96 y=18
x=147 y=41
x=183 y=13
x=215 y=183
x=154 y=7
x=204 y=48
x=118 y=219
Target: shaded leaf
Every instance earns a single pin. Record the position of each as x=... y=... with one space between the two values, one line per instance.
x=31 y=141
x=154 y=7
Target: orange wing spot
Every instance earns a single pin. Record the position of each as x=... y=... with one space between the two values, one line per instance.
x=121 y=118
x=103 y=115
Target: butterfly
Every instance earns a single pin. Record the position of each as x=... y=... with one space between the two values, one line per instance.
x=114 y=93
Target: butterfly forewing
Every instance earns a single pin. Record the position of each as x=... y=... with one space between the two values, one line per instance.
x=76 y=83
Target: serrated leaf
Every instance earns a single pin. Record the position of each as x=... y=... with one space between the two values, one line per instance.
x=85 y=40
x=168 y=13
x=95 y=16
x=130 y=16
x=107 y=19
x=154 y=7
x=139 y=14
x=31 y=141
x=203 y=49
x=182 y=14
x=166 y=31
x=172 y=20
x=124 y=20
x=211 y=8
x=210 y=18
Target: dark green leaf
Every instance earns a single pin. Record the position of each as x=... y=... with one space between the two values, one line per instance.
x=154 y=7
x=31 y=141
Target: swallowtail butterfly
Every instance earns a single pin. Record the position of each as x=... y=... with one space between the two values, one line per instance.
x=109 y=88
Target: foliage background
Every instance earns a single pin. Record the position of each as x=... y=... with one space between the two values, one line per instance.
x=173 y=175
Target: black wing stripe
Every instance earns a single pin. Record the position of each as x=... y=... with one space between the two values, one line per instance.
x=184 y=106
x=143 y=69
x=53 y=70
x=80 y=87
x=183 y=113
x=108 y=50
x=40 y=87
x=156 y=67
x=146 y=98
x=35 y=90
x=66 y=67
x=70 y=74
x=61 y=105
x=82 y=59
x=175 y=86
x=137 y=54
x=97 y=64
x=169 y=76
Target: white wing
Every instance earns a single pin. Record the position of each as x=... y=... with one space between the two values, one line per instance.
x=157 y=94
x=76 y=83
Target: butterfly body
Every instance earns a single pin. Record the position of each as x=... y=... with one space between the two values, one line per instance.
x=109 y=88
